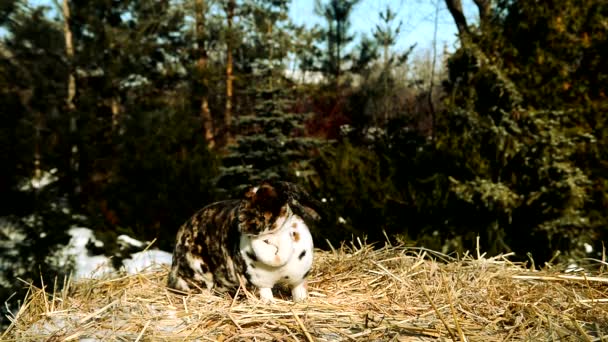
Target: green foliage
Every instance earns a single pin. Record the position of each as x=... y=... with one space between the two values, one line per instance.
x=375 y=183
x=560 y=65
x=162 y=173
x=143 y=164
x=523 y=178
x=305 y=49
x=33 y=223
x=386 y=34
x=336 y=35
x=518 y=165
x=358 y=187
x=130 y=157
x=270 y=141
x=529 y=169
x=28 y=244
x=366 y=52
x=554 y=51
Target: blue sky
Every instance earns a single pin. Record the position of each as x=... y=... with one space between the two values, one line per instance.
x=417 y=16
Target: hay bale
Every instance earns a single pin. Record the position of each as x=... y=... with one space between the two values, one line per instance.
x=356 y=293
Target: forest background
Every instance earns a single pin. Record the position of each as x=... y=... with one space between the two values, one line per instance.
x=126 y=116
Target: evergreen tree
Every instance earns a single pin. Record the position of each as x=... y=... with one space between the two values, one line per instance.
x=143 y=163
x=230 y=7
x=308 y=54
x=382 y=88
x=337 y=36
x=202 y=79
x=270 y=142
x=525 y=154
x=34 y=216
x=386 y=33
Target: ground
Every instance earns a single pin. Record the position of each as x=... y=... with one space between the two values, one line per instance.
x=356 y=293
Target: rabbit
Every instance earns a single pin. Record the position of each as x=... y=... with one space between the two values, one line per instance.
x=261 y=239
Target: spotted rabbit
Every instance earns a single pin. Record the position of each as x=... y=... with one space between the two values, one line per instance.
x=261 y=239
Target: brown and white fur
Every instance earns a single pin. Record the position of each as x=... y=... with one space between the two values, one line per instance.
x=258 y=239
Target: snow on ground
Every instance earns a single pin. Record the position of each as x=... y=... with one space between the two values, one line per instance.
x=127 y=240
x=98 y=266
x=146 y=259
x=85 y=265
x=46 y=178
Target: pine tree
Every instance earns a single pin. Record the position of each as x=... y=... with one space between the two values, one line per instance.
x=229 y=9
x=33 y=223
x=524 y=126
x=270 y=141
x=337 y=14
x=386 y=34
x=147 y=163
x=380 y=94
x=202 y=79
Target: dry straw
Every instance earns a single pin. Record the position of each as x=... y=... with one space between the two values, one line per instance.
x=356 y=293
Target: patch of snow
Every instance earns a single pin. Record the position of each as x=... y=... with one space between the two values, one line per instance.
x=125 y=240
x=309 y=77
x=98 y=266
x=79 y=217
x=11 y=236
x=45 y=179
x=85 y=265
x=346 y=129
x=57 y=325
x=374 y=133
x=146 y=259
x=9 y=231
x=573 y=267
x=31 y=220
x=76 y=254
x=49 y=325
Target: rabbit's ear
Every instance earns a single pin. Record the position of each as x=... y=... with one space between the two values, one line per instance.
x=250 y=192
x=301 y=202
x=257 y=193
x=267 y=198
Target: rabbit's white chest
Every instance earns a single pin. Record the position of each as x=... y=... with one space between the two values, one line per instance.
x=284 y=256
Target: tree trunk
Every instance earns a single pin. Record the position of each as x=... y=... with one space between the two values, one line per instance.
x=455 y=8
x=69 y=101
x=37 y=142
x=115 y=108
x=485 y=8
x=229 y=78
x=201 y=65
x=69 y=52
x=432 y=79
x=338 y=50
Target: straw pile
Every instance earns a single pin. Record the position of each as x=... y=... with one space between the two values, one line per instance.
x=356 y=293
